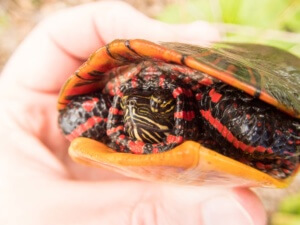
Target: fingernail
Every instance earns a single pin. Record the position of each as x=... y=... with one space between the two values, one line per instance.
x=225 y=210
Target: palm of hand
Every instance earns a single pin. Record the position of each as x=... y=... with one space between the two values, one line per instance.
x=39 y=181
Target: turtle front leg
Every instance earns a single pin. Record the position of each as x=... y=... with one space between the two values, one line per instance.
x=86 y=116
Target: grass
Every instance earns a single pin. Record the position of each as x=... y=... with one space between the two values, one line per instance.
x=273 y=22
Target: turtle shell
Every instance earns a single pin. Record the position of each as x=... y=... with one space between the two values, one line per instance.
x=264 y=72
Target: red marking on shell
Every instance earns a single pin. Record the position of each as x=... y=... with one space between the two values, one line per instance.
x=78 y=131
x=184 y=70
x=174 y=139
x=252 y=79
x=231 y=68
x=248 y=116
x=198 y=96
x=217 y=60
x=114 y=130
x=215 y=96
x=90 y=104
x=230 y=137
x=136 y=146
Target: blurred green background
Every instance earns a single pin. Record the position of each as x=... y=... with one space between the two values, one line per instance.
x=273 y=22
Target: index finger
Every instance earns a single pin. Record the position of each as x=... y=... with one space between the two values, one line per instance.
x=57 y=46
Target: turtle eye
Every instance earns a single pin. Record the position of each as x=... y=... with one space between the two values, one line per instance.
x=162 y=102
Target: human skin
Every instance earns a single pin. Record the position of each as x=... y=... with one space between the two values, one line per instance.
x=39 y=184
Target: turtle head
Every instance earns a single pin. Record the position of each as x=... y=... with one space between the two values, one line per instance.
x=148 y=115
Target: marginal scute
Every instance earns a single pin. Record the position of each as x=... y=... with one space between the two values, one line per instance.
x=269 y=70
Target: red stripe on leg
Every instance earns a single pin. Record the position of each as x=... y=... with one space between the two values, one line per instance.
x=90 y=104
x=136 y=147
x=78 y=131
x=114 y=130
x=230 y=137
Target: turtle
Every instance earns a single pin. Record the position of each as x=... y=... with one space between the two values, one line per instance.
x=227 y=114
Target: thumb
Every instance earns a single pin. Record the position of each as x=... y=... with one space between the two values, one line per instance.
x=57 y=46
x=109 y=20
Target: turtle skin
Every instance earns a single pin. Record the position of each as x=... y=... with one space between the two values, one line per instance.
x=205 y=110
x=246 y=108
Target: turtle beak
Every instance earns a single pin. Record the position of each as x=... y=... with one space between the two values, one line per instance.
x=189 y=164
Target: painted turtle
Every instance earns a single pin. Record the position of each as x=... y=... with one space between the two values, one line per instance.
x=224 y=115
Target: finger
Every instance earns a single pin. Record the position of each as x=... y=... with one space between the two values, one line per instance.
x=217 y=206
x=59 y=45
x=43 y=191
x=130 y=202
x=252 y=205
x=119 y=20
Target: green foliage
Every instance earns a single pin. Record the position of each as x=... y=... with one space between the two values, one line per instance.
x=291 y=205
x=276 y=14
x=289 y=211
x=263 y=15
x=285 y=219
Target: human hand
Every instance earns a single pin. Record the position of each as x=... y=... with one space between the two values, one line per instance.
x=38 y=182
